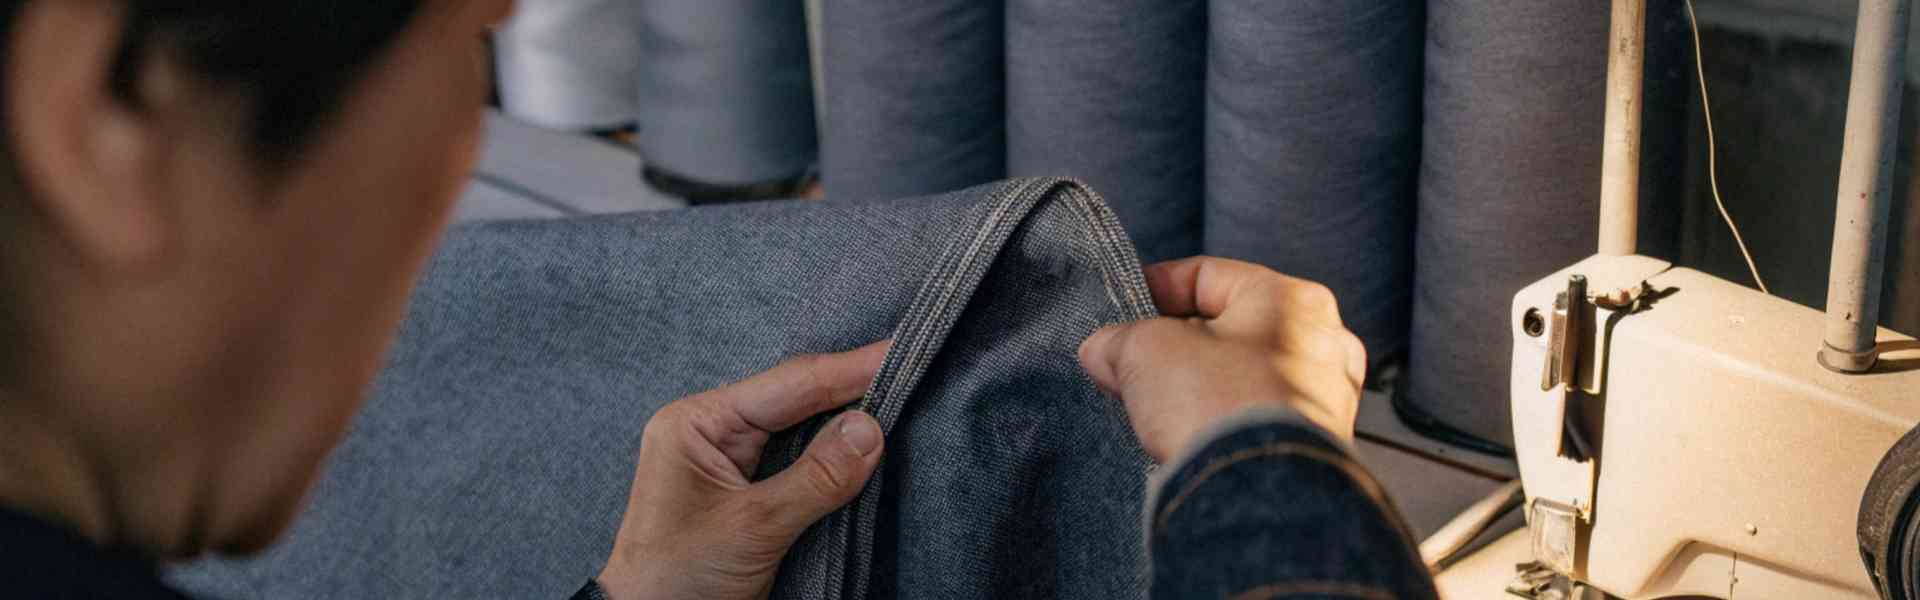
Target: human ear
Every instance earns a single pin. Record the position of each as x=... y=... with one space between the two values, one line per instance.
x=89 y=160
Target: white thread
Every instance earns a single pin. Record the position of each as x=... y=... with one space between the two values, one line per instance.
x=1713 y=168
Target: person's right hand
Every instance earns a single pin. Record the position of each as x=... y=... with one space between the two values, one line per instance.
x=1235 y=336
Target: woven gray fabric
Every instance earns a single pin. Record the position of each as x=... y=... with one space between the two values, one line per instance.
x=494 y=457
x=1111 y=93
x=915 y=97
x=725 y=89
x=1313 y=147
x=1010 y=475
x=1510 y=179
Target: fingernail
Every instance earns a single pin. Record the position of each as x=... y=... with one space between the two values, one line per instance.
x=860 y=431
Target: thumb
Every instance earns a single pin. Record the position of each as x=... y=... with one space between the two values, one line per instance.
x=1098 y=355
x=1112 y=354
x=835 y=466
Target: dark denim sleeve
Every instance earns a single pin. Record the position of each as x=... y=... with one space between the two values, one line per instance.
x=590 y=591
x=1274 y=508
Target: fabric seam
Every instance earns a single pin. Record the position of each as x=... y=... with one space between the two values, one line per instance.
x=964 y=264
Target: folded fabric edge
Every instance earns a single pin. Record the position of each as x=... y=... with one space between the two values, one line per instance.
x=963 y=264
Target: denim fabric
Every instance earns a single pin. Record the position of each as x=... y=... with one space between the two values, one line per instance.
x=1509 y=186
x=1007 y=475
x=1510 y=179
x=725 y=89
x=1313 y=147
x=591 y=590
x=494 y=457
x=1294 y=130
x=1110 y=92
x=1277 y=510
x=915 y=97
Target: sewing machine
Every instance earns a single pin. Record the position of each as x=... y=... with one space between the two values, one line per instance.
x=1680 y=435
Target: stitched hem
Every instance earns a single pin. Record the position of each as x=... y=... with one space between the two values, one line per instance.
x=1329 y=455
x=1270 y=450
x=1246 y=418
x=847 y=535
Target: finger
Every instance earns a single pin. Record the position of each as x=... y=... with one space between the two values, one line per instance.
x=1100 y=356
x=1200 y=286
x=1209 y=287
x=1356 y=360
x=1114 y=354
x=800 y=387
x=830 y=474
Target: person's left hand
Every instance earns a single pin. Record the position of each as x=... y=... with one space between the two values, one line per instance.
x=697 y=526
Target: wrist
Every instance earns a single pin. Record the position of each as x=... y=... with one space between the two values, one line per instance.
x=1242 y=417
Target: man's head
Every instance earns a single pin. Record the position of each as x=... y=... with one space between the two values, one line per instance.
x=211 y=212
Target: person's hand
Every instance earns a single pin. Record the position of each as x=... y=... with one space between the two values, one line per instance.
x=1235 y=336
x=697 y=526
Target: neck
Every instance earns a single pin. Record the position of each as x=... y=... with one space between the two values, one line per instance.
x=45 y=474
x=117 y=493
x=129 y=414
x=45 y=471
x=100 y=431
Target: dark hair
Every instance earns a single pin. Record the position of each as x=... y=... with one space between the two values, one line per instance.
x=294 y=59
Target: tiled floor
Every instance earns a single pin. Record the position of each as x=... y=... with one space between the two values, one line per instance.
x=530 y=173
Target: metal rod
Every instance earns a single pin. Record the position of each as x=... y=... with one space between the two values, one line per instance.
x=1620 y=163
x=1866 y=182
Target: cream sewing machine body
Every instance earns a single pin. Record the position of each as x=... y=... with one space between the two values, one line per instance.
x=1680 y=435
x=1724 y=461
